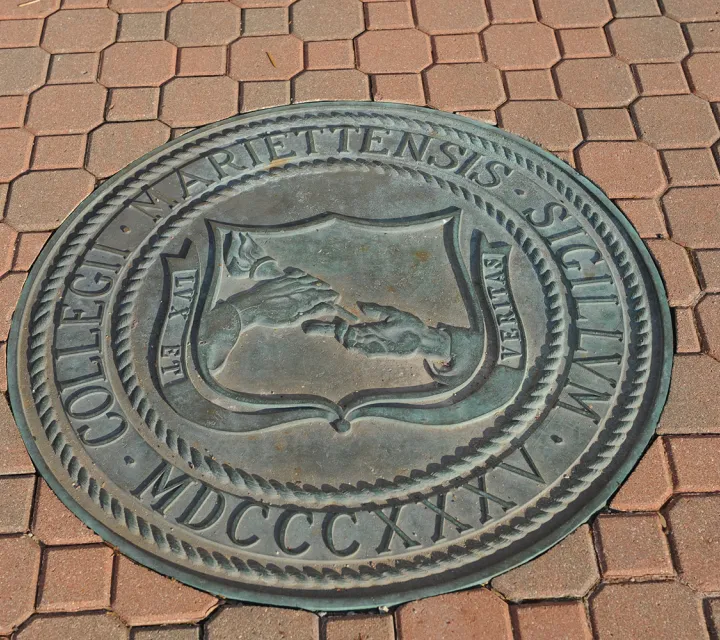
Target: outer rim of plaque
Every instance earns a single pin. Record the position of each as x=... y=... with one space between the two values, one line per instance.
x=331 y=600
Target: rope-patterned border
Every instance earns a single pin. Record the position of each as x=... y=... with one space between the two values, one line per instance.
x=602 y=452
x=383 y=490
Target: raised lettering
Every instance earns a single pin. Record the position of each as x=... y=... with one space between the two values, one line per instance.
x=328 y=534
x=407 y=142
x=200 y=499
x=227 y=159
x=153 y=203
x=93 y=347
x=583 y=398
x=485 y=497
x=550 y=212
x=449 y=150
x=442 y=516
x=391 y=529
x=572 y=248
x=78 y=316
x=164 y=489
x=531 y=473
x=495 y=180
x=91 y=293
x=234 y=522
x=370 y=137
x=281 y=527
x=84 y=394
x=589 y=362
x=108 y=438
x=277 y=150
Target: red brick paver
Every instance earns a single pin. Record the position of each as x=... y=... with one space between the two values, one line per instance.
x=19 y=565
x=261 y=623
x=461 y=616
x=657 y=610
x=75 y=578
x=632 y=546
x=650 y=485
x=375 y=627
x=626 y=90
x=16 y=496
x=79 y=627
x=171 y=602
x=54 y=524
x=568 y=570
x=552 y=621
x=696 y=463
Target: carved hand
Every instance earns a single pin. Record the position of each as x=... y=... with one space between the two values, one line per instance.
x=241 y=253
x=283 y=301
x=394 y=333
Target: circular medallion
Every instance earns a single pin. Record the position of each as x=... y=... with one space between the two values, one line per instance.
x=340 y=355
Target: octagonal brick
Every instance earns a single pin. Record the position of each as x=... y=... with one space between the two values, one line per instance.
x=681 y=283
x=327 y=19
x=521 y=46
x=11 y=443
x=138 y=64
x=15 y=458
x=703 y=69
x=350 y=627
x=334 y=84
x=266 y=58
x=451 y=16
x=203 y=24
x=53 y=523
x=8 y=238
x=142 y=6
x=12 y=10
x=647 y=39
x=657 y=610
x=623 y=169
x=78 y=31
x=675 y=122
x=190 y=102
x=567 y=570
x=550 y=123
x=19 y=566
x=692 y=403
x=143 y=597
x=566 y=620
x=15 y=148
x=41 y=200
x=566 y=14
x=22 y=70
x=393 y=51
x=650 y=484
x=115 y=145
x=66 y=109
x=254 y=4
x=456 y=616
x=78 y=626
x=464 y=87
x=263 y=622
x=708 y=315
x=696 y=540
x=694 y=216
x=691 y=10
x=595 y=82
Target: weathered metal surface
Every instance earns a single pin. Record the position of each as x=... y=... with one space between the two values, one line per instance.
x=340 y=355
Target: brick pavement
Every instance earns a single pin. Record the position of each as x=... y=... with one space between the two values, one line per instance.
x=627 y=91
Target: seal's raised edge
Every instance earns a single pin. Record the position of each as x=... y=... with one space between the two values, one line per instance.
x=335 y=601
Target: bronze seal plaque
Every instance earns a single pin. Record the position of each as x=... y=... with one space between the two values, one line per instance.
x=340 y=355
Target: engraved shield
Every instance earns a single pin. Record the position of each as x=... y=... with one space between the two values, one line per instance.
x=386 y=349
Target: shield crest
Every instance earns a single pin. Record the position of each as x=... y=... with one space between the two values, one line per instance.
x=336 y=317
